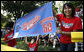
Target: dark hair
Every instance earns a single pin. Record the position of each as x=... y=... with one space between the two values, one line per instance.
x=71 y=6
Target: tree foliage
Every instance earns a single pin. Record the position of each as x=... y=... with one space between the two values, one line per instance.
x=19 y=7
x=3 y=20
x=77 y=3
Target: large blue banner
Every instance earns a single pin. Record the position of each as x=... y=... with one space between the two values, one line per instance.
x=40 y=21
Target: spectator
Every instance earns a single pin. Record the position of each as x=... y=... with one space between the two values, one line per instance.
x=33 y=46
x=52 y=39
x=51 y=36
x=45 y=38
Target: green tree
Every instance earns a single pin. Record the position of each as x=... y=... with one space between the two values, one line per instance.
x=77 y=3
x=17 y=7
x=20 y=8
x=3 y=21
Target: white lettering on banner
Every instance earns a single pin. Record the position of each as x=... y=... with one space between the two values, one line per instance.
x=30 y=23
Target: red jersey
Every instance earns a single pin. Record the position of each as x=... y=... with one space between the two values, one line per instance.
x=12 y=42
x=33 y=47
x=68 y=25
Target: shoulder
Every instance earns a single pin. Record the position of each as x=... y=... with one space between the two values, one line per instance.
x=60 y=15
x=29 y=43
x=77 y=18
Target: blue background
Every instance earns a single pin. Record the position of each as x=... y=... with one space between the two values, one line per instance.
x=44 y=11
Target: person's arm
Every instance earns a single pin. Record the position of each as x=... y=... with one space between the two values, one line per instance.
x=66 y=33
x=58 y=38
x=37 y=39
x=14 y=26
x=54 y=12
x=63 y=32
x=26 y=40
x=8 y=40
x=46 y=35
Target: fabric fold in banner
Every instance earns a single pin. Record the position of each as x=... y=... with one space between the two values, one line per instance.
x=39 y=21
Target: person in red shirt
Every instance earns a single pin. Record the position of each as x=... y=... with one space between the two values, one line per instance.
x=33 y=46
x=69 y=23
x=9 y=38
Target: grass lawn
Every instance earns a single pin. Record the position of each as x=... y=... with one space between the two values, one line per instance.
x=21 y=45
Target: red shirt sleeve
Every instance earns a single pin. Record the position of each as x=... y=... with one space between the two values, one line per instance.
x=5 y=38
x=34 y=44
x=59 y=17
x=11 y=34
x=78 y=24
x=28 y=43
x=13 y=31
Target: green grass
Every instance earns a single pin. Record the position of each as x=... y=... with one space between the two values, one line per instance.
x=21 y=45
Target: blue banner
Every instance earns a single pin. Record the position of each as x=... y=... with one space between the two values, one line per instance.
x=40 y=21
